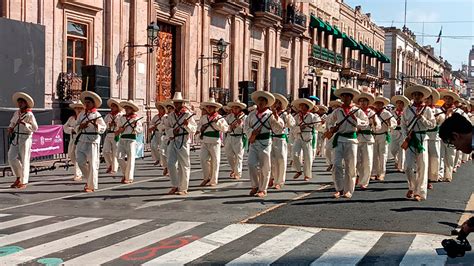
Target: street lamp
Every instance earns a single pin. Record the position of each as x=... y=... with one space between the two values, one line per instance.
x=152 y=31
x=221 y=49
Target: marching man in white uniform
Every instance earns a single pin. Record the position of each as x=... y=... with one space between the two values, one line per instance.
x=110 y=149
x=22 y=126
x=382 y=137
x=365 y=148
x=70 y=128
x=321 y=143
x=401 y=103
x=258 y=127
x=90 y=125
x=179 y=126
x=329 y=146
x=416 y=120
x=130 y=125
x=236 y=140
x=305 y=128
x=157 y=134
x=346 y=119
x=210 y=128
x=434 y=141
x=279 y=154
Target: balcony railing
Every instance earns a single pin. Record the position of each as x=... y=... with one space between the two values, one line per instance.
x=386 y=74
x=339 y=59
x=270 y=6
x=355 y=64
x=326 y=55
x=221 y=95
x=371 y=70
x=68 y=87
x=295 y=17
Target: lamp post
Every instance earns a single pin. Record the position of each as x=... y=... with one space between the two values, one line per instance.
x=152 y=31
x=221 y=48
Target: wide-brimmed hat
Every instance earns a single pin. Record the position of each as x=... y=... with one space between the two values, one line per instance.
x=22 y=95
x=251 y=108
x=160 y=103
x=226 y=108
x=299 y=101
x=76 y=104
x=212 y=102
x=202 y=106
x=382 y=99
x=436 y=95
x=237 y=103
x=417 y=88
x=450 y=93
x=265 y=94
x=348 y=90
x=323 y=108
x=368 y=96
x=168 y=102
x=130 y=104
x=114 y=101
x=94 y=96
x=178 y=97
x=282 y=99
x=402 y=98
x=335 y=103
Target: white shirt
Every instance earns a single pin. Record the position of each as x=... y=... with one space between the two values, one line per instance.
x=70 y=128
x=23 y=130
x=351 y=124
x=387 y=121
x=175 y=121
x=214 y=124
x=90 y=134
x=310 y=121
x=109 y=118
x=427 y=121
x=239 y=129
x=267 y=123
x=131 y=124
x=373 y=125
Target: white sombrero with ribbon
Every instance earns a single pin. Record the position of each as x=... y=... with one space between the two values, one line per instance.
x=417 y=88
x=282 y=99
x=296 y=103
x=368 y=96
x=252 y=108
x=347 y=90
x=401 y=98
x=76 y=104
x=92 y=95
x=449 y=93
x=323 y=108
x=130 y=104
x=382 y=99
x=212 y=102
x=237 y=103
x=335 y=103
x=265 y=94
x=178 y=97
x=22 y=95
x=114 y=101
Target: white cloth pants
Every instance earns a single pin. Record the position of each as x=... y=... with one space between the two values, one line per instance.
x=321 y=144
x=305 y=147
x=329 y=153
x=127 y=148
x=155 y=144
x=234 y=151
x=259 y=165
x=365 y=156
x=434 y=155
x=71 y=153
x=110 y=152
x=344 y=170
x=417 y=170
x=210 y=161
x=179 y=165
x=397 y=151
x=279 y=157
x=164 y=153
x=87 y=156
x=447 y=161
x=19 y=158
x=380 y=155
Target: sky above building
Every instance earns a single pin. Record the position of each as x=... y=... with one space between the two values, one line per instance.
x=456 y=17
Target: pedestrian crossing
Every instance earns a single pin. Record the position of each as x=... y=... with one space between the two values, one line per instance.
x=101 y=241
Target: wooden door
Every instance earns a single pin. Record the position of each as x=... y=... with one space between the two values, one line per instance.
x=165 y=63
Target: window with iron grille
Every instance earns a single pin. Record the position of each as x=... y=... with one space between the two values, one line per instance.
x=254 y=73
x=217 y=73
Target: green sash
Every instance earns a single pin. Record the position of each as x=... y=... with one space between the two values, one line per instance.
x=388 y=138
x=264 y=136
x=365 y=132
x=211 y=134
x=281 y=136
x=349 y=135
x=416 y=143
x=245 y=141
x=128 y=136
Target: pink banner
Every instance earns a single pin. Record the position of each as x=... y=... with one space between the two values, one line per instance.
x=48 y=140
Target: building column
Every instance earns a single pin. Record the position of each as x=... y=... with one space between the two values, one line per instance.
x=206 y=69
x=269 y=55
x=131 y=50
x=237 y=53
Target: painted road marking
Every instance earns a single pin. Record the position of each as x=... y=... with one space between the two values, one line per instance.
x=423 y=251
x=22 y=220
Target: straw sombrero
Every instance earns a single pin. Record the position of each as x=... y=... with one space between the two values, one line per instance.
x=226 y=108
x=436 y=95
x=417 y=88
x=265 y=94
x=76 y=104
x=212 y=102
x=237 y=103
x=130 y=104
x=348 y=90
x=402 y=98
x=368 y=96
x=161 y=103
x=335 y=103
x=94 y=96
x=22 y=95
x=282 y=99
x=323 y=108
x=178 y=97
x=450 y=93
x=114 y=101
x=251 y=108
x=382 y=99
x=299 y=101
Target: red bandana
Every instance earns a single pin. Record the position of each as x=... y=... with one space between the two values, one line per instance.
x=346 y=109
x=212 y=117
x=131 y=116
x=27 y=110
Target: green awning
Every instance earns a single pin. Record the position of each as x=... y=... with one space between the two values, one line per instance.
x=366 y=50
x=384 y=58
x=318 y=23
x=348 y=41
x=337 y=33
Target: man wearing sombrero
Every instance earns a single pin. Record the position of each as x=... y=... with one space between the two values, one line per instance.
x=236 y=140
x=110 y=145
x=416 y=121
x=130 y=125
x=347 y=120
x=305 y=128
x=279 y=154
x=333 y=105
x=179 y=126
x=258 y=127
x=70 y=128
x=401 y=103
x=321 y=143
x=169 y=106
x=22 y=126
x=365 y=136
x=382 y=137
x=89 y=126
x=434 y=141
x=210 y=128
x=157 y=134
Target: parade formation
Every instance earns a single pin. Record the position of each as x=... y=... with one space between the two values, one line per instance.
x=356 y=134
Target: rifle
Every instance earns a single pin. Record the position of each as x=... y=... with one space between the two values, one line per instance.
x=328 y=134
x=82 y=130
x=177 y=126
x=13 y=134
x=208 y=124
x=256 y=132
x=235 y=121
x=128 y=123
x=406 y=142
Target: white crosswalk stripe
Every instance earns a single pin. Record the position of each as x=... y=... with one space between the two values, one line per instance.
x=22 y=220
x=423 y=251
x=4 y=214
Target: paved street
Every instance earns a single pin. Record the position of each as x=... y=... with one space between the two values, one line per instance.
x=52 y=222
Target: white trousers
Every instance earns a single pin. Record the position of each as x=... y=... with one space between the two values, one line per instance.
x=87 y=156
x=380 y=156
x=434 y=155
x=329 y=153
x=259 y=165
x=164 y=153
x=179 y=165
x=19 y=158
x=305 y=147
x=397 y=151
x=465 y=157
x=417 y=171
x=321 y=144
x=344 y=171
x=457 y=159
x=71 y=153
x=447 y=161
x=110 y=152
x=210 y=161
x=365 y=156
x=127 y=148
x=234 y=151
x=279 y=157
x=155 y=147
